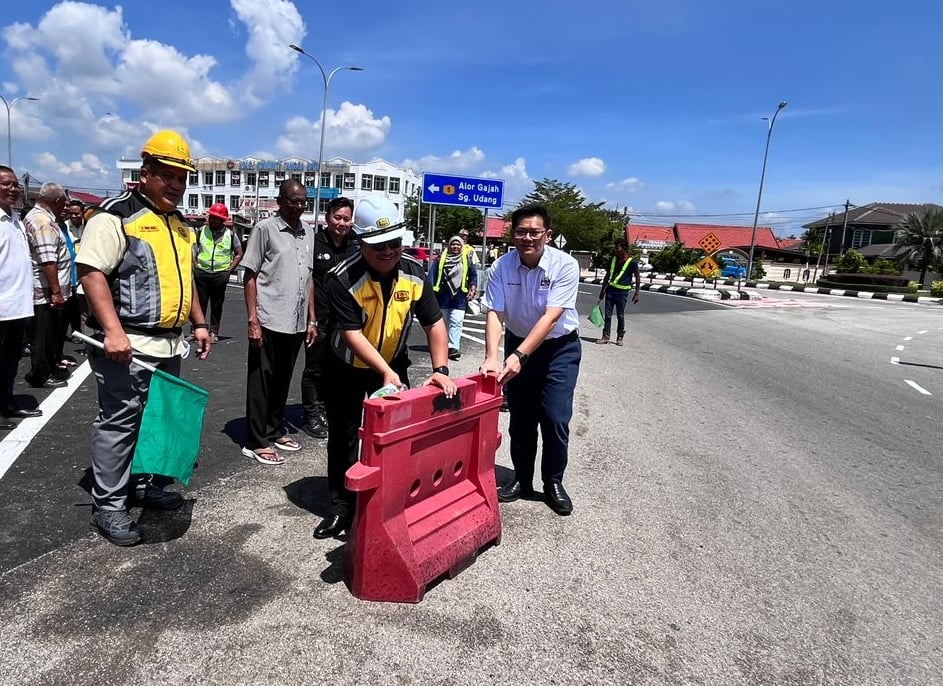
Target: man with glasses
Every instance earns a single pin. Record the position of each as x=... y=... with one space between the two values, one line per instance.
x=532 y=293
x=373 y=297
x=16 y=296
x=280 y=308
x=136 y=268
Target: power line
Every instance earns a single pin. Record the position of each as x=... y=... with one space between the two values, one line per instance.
x=675 y=215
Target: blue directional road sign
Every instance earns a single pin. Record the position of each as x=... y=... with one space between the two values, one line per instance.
x=463 y=191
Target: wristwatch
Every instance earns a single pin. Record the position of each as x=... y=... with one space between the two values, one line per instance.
x=523 y=357
x=441 y=370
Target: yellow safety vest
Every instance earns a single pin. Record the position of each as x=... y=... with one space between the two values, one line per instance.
x=152 y=287
x=206 y=257
x=612 y=268
x=441 y=271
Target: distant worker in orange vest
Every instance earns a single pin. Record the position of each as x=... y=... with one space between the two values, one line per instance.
x=615 y=289
x=216 y=254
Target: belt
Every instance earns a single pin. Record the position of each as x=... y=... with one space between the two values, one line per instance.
x=572 y=336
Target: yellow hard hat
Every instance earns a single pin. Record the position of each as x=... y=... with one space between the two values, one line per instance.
x=169 y=147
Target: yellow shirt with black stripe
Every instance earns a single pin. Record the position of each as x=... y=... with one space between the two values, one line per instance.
x=382 y=308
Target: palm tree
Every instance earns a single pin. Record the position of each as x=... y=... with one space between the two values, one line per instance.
x=921 y=234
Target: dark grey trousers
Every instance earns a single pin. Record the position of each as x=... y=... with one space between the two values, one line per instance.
x=122 y=394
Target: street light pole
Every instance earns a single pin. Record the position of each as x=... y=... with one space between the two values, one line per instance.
x=327 y=84
x=9 y=125
x=770 y=122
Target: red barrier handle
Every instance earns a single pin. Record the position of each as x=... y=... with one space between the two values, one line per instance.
x=360 y=477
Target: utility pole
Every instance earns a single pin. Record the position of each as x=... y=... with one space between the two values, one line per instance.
x=823 y=246
x=844 y=227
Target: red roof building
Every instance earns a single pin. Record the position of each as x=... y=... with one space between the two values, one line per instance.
x=85 y=198
x=729 y=236
x=497 y=228
x=649 y=236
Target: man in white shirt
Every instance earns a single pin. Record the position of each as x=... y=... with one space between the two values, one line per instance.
x=16 y=296
x=532 y=291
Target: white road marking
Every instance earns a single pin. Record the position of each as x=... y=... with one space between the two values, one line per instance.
x=917 y=387
x=899 y=348
x=895 y=360
x=921 y=332
x=15 y=442
x=908 y=338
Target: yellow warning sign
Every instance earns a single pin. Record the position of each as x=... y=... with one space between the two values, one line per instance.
x=709 y=242
x=707 y=266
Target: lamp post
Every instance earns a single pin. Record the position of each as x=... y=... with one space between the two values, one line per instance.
x=327 y=84
x=756 y=216
x=9 y=107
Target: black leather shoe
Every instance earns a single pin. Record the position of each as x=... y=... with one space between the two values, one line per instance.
x=557 y=499
x=513 y=491
x=331 y=526
x=20 y=412
x=315 y=428
x=51 y=383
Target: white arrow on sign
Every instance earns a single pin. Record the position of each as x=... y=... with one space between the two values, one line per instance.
x=433 y=188
x=561 y=241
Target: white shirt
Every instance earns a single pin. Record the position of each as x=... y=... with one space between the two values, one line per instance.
x=524 y=294
x=16 y=270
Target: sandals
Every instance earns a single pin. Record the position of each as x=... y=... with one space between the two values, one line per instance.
x=288 y=444
x=266 y=455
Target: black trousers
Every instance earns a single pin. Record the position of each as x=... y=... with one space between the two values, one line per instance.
x=48 y=331
x=11 y=349
x=268 y=379
x=211 y=291
x=313 y=384
x=344 y=406
x=541 y=396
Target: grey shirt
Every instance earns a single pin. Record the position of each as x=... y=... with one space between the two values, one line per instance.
x=281 y=258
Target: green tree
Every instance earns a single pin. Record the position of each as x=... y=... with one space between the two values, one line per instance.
x=921 y=234
x=585 y=225
x=851 y=262
x=670 y=259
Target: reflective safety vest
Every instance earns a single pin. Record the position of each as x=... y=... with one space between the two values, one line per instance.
x=385 y=324
x=209 y=246
x=152 y=287
x=441 y=270
x=614 y=280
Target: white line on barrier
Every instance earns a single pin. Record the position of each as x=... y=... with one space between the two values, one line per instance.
x=917 y=387
x=15 y=442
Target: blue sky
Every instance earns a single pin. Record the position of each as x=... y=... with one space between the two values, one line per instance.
x=655 y=106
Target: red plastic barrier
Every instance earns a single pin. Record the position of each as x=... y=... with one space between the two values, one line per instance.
x=426 y=496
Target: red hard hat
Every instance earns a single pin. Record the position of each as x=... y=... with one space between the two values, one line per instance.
x=219 y=210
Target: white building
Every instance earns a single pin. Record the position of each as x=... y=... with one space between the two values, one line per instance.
x=248 y=186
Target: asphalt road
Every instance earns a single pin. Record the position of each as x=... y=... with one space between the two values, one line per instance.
x=758 y=500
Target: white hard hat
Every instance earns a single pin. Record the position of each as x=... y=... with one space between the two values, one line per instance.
x=375 y=221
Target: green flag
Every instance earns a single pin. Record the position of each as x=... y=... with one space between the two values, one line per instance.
x=169 y=441
x=595 y=316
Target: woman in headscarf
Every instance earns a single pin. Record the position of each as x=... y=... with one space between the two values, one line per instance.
x=455 y=281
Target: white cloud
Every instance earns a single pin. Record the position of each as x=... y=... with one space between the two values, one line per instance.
x=273 y=25
x=629 y=185
x=664 y=206
x=53 y=169
x=588 y=166
x=458 y=161
x=172 y=87
x=686 y=205
x=516 y=181
x=349 y=130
